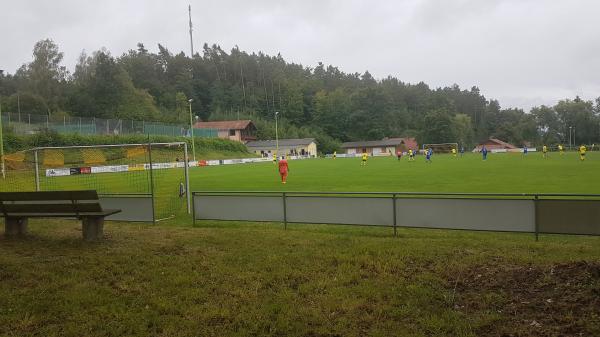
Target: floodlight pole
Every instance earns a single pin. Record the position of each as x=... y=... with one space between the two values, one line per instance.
x=192 y=131
x=2 y=145
x=191 y=39
x=570 y=127
x=276 y=135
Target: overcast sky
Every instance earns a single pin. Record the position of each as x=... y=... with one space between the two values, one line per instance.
x=521 y=52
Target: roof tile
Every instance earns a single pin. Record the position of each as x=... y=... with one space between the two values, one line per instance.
x=236 y=125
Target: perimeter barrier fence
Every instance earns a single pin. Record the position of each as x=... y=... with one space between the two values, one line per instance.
x=577 y=214
x=26 y=124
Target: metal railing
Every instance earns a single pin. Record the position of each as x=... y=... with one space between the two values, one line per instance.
x=536 y=213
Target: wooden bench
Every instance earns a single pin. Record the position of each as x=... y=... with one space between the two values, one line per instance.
x=17 y=207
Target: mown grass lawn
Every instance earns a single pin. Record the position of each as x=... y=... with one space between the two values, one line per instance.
x=500 y=173
x=247 y=279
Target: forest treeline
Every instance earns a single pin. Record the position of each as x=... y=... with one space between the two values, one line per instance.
x=321 y=101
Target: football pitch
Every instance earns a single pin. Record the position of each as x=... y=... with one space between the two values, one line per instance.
x=500 y=173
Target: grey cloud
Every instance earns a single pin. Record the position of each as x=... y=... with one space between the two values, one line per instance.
x=522 y=52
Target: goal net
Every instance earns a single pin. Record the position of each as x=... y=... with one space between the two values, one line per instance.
x=155 y=170
x=441 y=147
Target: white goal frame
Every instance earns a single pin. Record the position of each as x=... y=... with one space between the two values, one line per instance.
x=151 y=165
x=433 y=145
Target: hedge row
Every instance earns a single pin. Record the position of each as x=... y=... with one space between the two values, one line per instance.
x=14 y=143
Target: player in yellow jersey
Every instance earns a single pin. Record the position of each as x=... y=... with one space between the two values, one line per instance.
x=582 y=150
x=561 y=150
x=274 y=157
x=545 y=151
x=411 y=155
x=363 y=162
x=454 y=152
x=334 y=154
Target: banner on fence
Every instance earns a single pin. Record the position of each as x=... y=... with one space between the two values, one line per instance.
x=59 y=172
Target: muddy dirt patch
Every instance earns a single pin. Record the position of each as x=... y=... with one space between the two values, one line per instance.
x=530 y=300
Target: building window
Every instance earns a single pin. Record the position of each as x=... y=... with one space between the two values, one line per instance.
x=232 y=132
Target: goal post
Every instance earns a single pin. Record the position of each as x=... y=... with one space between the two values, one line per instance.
x=159 y=171
x=441 y=147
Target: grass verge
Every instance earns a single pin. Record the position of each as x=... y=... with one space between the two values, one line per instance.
x=243 y=279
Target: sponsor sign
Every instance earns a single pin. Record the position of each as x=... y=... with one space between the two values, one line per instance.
x=58 y=172
x=232 y=161
x=110 y=169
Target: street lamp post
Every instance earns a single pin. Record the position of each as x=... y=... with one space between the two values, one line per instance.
x=276 y=135
x=192 y=130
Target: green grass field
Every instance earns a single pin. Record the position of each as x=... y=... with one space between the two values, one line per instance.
x=250 y=279
x=501 y=173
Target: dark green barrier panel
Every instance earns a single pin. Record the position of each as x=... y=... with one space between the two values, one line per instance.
x=569 y=216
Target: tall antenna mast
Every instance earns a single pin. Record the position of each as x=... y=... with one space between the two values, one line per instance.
x=191 y=39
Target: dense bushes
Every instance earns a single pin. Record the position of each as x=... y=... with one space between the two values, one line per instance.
x=13 y=143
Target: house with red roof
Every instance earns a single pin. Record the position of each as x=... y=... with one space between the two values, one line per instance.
x=241 y=131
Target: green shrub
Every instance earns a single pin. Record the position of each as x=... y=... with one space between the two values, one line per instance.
x=13 y=143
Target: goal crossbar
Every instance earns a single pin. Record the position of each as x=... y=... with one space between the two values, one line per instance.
x=441 y=146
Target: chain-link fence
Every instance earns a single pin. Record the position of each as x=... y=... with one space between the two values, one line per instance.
x=24 y=124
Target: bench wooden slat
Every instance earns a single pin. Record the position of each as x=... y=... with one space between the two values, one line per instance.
x=50 y=208
x=49 y=195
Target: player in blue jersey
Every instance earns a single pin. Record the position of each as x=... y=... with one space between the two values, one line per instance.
x=484 y=152
x=428 y=155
